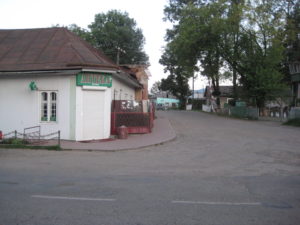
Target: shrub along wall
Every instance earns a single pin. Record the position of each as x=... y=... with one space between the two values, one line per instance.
x=294 y=113
x=244 y=112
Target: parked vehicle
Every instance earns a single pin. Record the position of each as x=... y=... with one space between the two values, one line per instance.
x=161 y=107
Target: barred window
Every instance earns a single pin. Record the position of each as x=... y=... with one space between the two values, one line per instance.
x=48 y=106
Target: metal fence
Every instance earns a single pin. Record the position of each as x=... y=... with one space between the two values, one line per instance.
x=294 y=113
x=31 y=137
x=243 y=112
x=268 y=113
x=32 y=133
x=137 y=116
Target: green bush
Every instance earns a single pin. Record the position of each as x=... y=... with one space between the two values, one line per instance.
x=293 y=122
x=17 y=142
x=6 y=141
x=231 y=102
x=14 y=141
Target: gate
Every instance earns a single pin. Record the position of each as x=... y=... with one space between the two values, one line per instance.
x=137 y=116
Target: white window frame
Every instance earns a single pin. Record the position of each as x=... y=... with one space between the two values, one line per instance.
x=48 y=118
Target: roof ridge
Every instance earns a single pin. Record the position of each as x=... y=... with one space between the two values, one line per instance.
x=49 y=48
x=96 y=52
x=64 y=42
x=77 y=54
x=45 y=46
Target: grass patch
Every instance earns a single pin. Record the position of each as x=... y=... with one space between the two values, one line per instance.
x=14 y=141
x=293 y=122
x=23 y=144
x=232 y=116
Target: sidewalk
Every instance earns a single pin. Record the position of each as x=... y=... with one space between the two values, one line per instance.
x=162 y=132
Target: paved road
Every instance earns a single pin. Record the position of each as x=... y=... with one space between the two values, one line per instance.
x=218 y=171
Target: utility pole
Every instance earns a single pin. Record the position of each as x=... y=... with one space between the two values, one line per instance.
x=118 y=54
x=193 y=88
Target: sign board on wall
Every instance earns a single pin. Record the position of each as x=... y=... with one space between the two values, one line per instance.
x=94 y=79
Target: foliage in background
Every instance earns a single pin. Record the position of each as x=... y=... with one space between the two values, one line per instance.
x=156 y=88
x=243 y=38
x=292 y=28
x=115 y=33
x=177 y=81
x=293 y=122
x=83 y=33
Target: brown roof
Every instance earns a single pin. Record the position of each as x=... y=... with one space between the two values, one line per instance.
x=48 y=49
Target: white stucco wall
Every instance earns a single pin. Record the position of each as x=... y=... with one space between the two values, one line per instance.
x=120 y=91
x=20 y=107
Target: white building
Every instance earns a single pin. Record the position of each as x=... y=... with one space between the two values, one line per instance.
x=52 y=78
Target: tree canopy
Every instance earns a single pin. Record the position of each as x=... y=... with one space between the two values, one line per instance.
x=238 y=37
x=177 y=81
x=156 y=88
x=117 y=35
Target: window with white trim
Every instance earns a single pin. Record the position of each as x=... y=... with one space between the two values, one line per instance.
x=48 y=106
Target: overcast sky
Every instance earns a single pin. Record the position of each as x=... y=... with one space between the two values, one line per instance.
x=46 y=13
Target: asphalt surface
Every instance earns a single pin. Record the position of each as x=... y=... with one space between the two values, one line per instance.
x=218 y=171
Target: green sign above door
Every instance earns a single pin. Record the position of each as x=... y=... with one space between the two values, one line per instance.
x=94 y=79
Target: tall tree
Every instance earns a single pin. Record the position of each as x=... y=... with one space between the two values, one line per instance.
x=196 y=39
x=245 y=38
x=119 y=37
x=83 y=33
x=261 y=52
x=156 y=88
x=177 y=81
x=292 y=42
x=292 y=31
x=234 y=20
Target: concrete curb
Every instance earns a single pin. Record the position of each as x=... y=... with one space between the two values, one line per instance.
x=163 y=132
x=118 y=150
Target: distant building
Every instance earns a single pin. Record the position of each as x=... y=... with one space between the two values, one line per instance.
x=165 y=99
x=164 y=94
x=295 y=78
x=226 y=93
x=198 y=94
x=142 y=74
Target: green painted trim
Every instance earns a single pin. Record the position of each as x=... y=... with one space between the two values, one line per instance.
x=94 y=79
x=72 y=117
